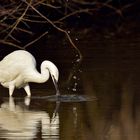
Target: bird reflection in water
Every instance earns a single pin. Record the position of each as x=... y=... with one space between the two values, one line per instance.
x=17 y=122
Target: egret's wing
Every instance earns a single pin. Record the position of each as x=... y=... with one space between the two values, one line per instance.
x=7 y=75
x=15 y=64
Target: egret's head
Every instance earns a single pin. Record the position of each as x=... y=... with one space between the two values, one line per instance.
x=54 y=74
x=53 y=70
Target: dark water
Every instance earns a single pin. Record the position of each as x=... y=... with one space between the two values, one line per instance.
x=110 y=71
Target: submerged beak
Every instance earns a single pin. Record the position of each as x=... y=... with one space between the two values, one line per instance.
x=56 y=85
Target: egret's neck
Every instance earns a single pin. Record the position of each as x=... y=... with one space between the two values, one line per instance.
x=47 y=68
x=44 y=73
x=36 y=77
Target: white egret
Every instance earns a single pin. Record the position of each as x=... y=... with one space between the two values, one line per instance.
x=19 y=68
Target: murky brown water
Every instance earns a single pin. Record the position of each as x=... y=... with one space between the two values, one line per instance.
x=110 y=72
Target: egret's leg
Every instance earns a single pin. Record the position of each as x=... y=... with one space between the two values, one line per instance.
x=12 y=105
x=27 y=89
x=11 y=89
x=27 y=101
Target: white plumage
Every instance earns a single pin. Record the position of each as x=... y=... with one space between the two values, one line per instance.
x=19 y=68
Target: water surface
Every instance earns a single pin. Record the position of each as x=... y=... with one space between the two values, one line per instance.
x=110 y=72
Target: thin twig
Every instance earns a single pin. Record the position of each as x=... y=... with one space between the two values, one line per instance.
x=35 y=40
x=11 y=13
x=49 y=5
x=56 y=27
x=18 y=21
x=14 y=38
x=17 y=28
x=34 y=21
x=10 y=44
x=118 y=11
x=74 y=13
x=84 y=2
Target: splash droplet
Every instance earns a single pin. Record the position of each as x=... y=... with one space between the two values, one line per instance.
x=74 y=89
x=78 y=60
x=68 y=32
x=75 y=84
x=74 y=77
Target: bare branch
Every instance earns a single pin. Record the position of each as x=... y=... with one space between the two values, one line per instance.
x=10 y=44
x=56 y=27
x=35 y=40
x=18 y=21
x=74 y=13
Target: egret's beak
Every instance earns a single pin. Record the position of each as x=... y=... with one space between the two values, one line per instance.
x=56 y=85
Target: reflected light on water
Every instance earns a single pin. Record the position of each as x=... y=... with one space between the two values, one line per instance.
x=17 y=122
